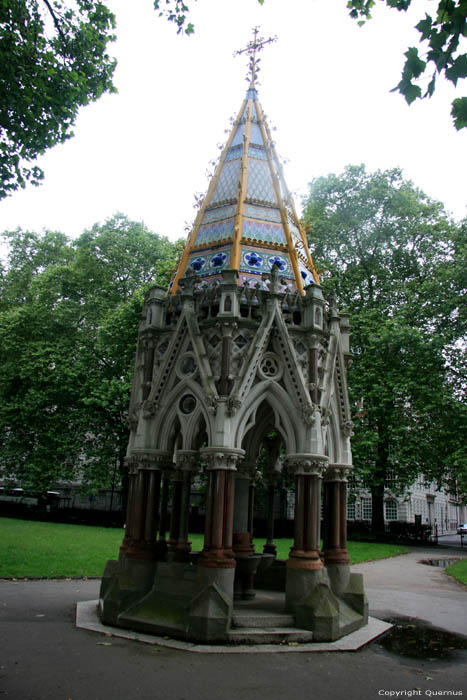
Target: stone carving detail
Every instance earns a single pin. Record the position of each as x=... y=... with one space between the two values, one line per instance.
x=149 y=409
x=325 y=416
x=338 y=472
x=247 y=469
x=308 y=414
x=131 y=464
x=221 y=459
x=133 y=417
x=187 y=461
x=306 y=464
x=233 y=405
x=270 y=367
x=151 y=460
x=347 y=428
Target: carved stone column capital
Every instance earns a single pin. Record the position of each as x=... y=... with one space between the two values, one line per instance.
x=152 y=460
x=337 y=472
x=306 y=464
x=186 y=461
x=246 y=470
x=131 y=464
x=222 y=458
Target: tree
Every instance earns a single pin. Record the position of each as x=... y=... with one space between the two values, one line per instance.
x=394 y=259
x=442 y=31
x=68 y=327
x=53 y=60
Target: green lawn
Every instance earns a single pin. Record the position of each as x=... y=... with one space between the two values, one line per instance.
x=458 y=571
x=30 y=549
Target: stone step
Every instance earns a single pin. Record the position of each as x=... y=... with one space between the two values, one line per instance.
x=265 y=620
x=269 y=635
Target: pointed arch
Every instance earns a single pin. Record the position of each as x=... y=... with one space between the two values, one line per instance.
x=190 y=424
x=282 y=409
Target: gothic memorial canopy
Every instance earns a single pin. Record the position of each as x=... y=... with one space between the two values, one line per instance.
x=241 y=358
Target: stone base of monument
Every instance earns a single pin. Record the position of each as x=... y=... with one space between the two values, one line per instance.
x=323 y=604
x=196 y=603
x=87 y=618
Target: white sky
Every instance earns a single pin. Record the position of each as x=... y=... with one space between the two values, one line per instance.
x=325 y=85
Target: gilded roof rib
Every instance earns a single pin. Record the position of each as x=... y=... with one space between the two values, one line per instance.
x=247 y=220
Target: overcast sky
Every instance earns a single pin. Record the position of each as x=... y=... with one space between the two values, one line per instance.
x=325 y=84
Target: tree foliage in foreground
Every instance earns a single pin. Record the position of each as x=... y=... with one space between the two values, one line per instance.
x=397 y=263
x=441 y=32
x=53 y=60
x=69 y=314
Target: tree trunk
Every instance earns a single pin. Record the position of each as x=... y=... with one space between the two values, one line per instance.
x=379 y=480
x=377 y=517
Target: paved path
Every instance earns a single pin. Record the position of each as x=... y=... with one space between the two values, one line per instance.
x=402 y=586
x=44 y=657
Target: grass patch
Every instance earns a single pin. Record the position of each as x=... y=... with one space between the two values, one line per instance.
x=358 y=551
x=30 y=549
x=458 y=571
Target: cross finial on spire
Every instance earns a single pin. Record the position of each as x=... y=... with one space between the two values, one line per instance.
x=253 y=48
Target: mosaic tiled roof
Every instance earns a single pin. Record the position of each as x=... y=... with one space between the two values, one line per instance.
x=247 y=220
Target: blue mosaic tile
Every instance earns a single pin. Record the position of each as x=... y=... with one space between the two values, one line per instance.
x=278 y=261
x=254 y=260
x=234 y=152
x=238 y=138
x=307 y=277
x=218 y=260
x=218 y=213
x=227 y=187
x=257 y=152
x=258 y=261
x=256 y=136
x=265 y=232
x=259 y=182
x=210 y=264
x=217 y=231
x=197 y=264
x=256 y=211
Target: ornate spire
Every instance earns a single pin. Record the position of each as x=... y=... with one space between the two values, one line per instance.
x=247 y=221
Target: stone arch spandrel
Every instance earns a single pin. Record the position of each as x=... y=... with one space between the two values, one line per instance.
x=282 y=408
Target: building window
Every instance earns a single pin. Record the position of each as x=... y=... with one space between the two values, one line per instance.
x=351 y=511
x=390 y=510
x=367 y=508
